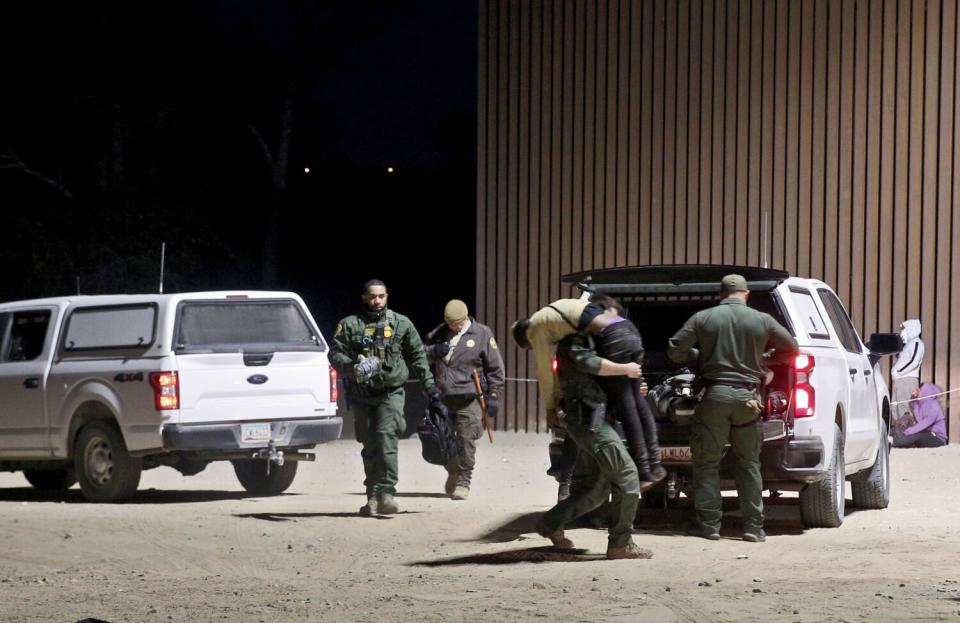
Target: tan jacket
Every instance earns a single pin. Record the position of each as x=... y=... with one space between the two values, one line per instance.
x=547 y=327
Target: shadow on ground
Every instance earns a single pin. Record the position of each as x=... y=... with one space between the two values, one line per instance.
x=145 y=496
x=509 y=557
x=296 y=516
x=410 y=494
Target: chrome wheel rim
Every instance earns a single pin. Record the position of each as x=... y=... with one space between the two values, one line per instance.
x=98 y=461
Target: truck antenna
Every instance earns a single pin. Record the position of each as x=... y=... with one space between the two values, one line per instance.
x=163 y=253
x=763 y=243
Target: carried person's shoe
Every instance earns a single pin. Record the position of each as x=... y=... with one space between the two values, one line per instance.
x=369 y=509
x=451 y=483
x=630 y=550
x=658 y=472
x=755 y=537
x=704 y=533
x=388 y=505
x=556 y=537
x=460 y=493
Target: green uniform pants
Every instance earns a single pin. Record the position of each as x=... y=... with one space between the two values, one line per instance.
x=720 y=418
x=379 y=422
x=615 y=472
x=468 y=424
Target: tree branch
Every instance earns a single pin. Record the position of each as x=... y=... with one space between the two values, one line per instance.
x=267 y=155
x=12 y=162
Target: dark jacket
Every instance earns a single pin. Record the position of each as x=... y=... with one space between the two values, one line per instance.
x=476 y=350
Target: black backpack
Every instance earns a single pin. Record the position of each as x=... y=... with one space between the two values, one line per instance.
x=438 y=438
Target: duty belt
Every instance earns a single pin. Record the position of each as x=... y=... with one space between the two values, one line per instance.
x=737 y=384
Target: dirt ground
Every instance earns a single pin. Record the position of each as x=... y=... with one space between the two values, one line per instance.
x=200 y=549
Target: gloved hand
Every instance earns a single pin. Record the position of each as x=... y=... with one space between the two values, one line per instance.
x=366 y=369
x=440 y=349
x=435 y=401
x=493 y=405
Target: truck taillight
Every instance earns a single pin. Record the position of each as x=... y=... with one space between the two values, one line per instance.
x=334 y=392
x=166 y=390
x=804 y=397
x=553 y=364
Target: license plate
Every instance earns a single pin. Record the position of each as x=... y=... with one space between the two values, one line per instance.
x=254 y=432
x=676 y=454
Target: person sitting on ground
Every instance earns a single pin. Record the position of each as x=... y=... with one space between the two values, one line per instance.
x=930 y=431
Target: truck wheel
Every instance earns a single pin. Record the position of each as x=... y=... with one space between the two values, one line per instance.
x=873 y=491
x=253 y=475
x=59 y=479
x=107 y=473
x=822 y=503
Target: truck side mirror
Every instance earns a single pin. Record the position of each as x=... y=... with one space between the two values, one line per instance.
x=884 y=344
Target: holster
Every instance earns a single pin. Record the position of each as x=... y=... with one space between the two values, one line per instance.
x=593 y=414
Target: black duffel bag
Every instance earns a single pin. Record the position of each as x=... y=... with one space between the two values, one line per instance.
x=437 y=438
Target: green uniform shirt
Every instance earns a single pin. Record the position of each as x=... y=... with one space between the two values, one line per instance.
x=402 y=349
x=577 y=368
x=732 y=339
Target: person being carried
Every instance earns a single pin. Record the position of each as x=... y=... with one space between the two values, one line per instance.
x=618 y=340
x=930 y=430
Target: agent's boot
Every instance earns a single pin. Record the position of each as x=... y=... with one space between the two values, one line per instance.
x=461 y=493
x=387 y=505
x=630 y=550
x=556 y=537
x=370 y=508
x=451 y=483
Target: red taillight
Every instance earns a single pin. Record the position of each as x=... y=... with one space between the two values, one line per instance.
x=553 y=365
x=334 y=392
x=166 y=390
x=804 y=397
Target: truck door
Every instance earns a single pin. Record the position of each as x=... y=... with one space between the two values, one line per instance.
x=25 y=347
x=862 y=418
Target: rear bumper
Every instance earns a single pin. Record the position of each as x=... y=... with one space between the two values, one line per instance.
x=285 y=434
x=800 y=458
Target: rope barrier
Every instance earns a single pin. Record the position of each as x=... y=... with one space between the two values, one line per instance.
x=903 y=402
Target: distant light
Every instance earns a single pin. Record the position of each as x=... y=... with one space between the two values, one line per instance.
x=306 y=169
x=389 y=169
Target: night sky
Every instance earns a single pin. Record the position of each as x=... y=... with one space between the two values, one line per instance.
x=127 y=124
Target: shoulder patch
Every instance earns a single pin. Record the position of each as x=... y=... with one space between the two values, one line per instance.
x=493 y=343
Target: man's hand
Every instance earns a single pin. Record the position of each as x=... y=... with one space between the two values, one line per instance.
x=632 y=370
x=644 y=390
x=553 y=419
x=440 y=349
x=435 y=401
x=493 y=405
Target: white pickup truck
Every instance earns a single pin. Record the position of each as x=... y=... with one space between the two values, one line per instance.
x=96 y=389
x=826 y=416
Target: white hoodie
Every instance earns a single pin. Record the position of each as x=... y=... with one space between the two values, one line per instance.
x=908 y=362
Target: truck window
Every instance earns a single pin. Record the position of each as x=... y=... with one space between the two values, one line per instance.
x=114 y=327
x=809 y=314
x=841 y=322
x=28 y=332
x=237 y=326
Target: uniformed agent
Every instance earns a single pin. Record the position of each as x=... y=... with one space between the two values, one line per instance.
x=456 y=348
x=578 y=365
x=373 y=352
x=732 y=339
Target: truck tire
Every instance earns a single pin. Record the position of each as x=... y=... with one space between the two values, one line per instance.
x=106 y=471
x=873 y=490
x=822 y=503
x=253 y=475
x=51 y=480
